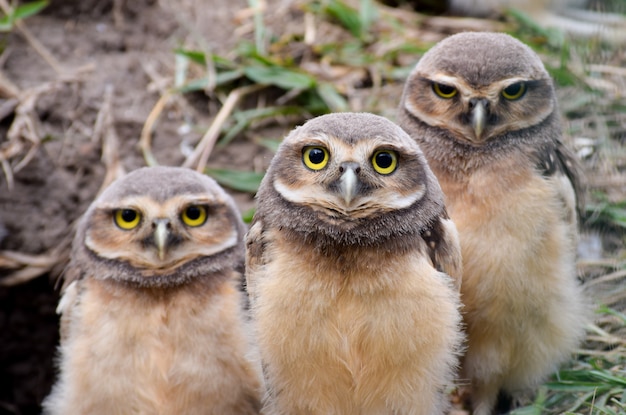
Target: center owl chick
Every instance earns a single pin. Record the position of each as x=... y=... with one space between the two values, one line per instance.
x=352 y=268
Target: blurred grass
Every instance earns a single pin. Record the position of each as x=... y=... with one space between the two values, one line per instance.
x=595 y=383
x=7 y=21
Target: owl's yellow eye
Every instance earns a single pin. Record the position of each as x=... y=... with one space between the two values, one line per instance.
x=444 y=91
x=514 y=91
x=194 y=215
x=127 y=219
x=315 y=158
x=385 y=161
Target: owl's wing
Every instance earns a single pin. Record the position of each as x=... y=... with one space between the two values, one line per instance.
x=256 y=241
x=68 y=302
x=444 y=249
x=559 y=165
x=73 y=278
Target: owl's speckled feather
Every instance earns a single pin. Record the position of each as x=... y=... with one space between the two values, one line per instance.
x=352 y=313
x=483 y=109
x=152 y=317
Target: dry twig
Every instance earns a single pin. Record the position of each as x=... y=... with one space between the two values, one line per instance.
x=203 y=150
x=104 y=131
x=145 y=141
x=27 y=266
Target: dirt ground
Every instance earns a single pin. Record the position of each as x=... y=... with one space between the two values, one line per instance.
x=111 y=61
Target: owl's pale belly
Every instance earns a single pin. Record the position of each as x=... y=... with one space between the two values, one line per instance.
x=522 y=302
x=182 y=353
x=358 y=347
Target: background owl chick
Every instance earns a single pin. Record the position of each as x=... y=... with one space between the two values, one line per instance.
x=343 y=267
x=152 y=320
x=483 y=109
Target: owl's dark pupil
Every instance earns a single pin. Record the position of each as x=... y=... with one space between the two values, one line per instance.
x=384 y=160
x=446 y=89
x=128 y=215
x=193 y=213
x=316 y=156
x=513 y=89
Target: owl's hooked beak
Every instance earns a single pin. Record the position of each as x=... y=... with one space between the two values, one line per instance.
x=161 y=235
x=478 y=115
x=348 y=182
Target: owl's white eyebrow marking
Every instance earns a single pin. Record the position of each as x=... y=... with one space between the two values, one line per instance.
x=444 y=79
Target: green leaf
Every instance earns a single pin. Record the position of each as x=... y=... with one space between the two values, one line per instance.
x=29 y=9
x=346 y=15
x=200 y=58
x=606 y=310
x=6 y=24
x=270 y=143
x=244 y=181
x=21 y=12
x=281 y=77
x=259 y=27
x=335 y=101
x=192 y=55
x=563 y=76
x=222 y=78
x=367 y=14
x=248 y=215
x=245 y=118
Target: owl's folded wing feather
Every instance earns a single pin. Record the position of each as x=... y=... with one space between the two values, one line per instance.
x=69 y=300
x=255 y=256
x=560 y=166
x=443 y=247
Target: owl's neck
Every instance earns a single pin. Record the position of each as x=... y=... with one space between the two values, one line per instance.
x=457 y=159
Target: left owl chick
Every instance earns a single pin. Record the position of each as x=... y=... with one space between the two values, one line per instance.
x=152 y=318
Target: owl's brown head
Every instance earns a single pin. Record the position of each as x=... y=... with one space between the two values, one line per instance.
x=349 y=178
x=477 y=87
x=159 y=226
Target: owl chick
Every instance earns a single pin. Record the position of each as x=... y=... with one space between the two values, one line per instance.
x=152 y=319
x=483 y=109
x=353 y=312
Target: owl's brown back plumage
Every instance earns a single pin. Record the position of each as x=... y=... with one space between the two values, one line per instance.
x=482 y=108
x=152 y=318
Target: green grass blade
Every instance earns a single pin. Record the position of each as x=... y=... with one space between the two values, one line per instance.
x=244 y=181
x=335 y=101
x=248 y=215
x=221 y=79
x=270 y=143
x=200 y=58
x=245 y=118
x=367 y=15
x=346 y=15
x=29 y=9
x=281 y=77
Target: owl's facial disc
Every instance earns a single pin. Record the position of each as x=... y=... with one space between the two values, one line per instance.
x=157 y=236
